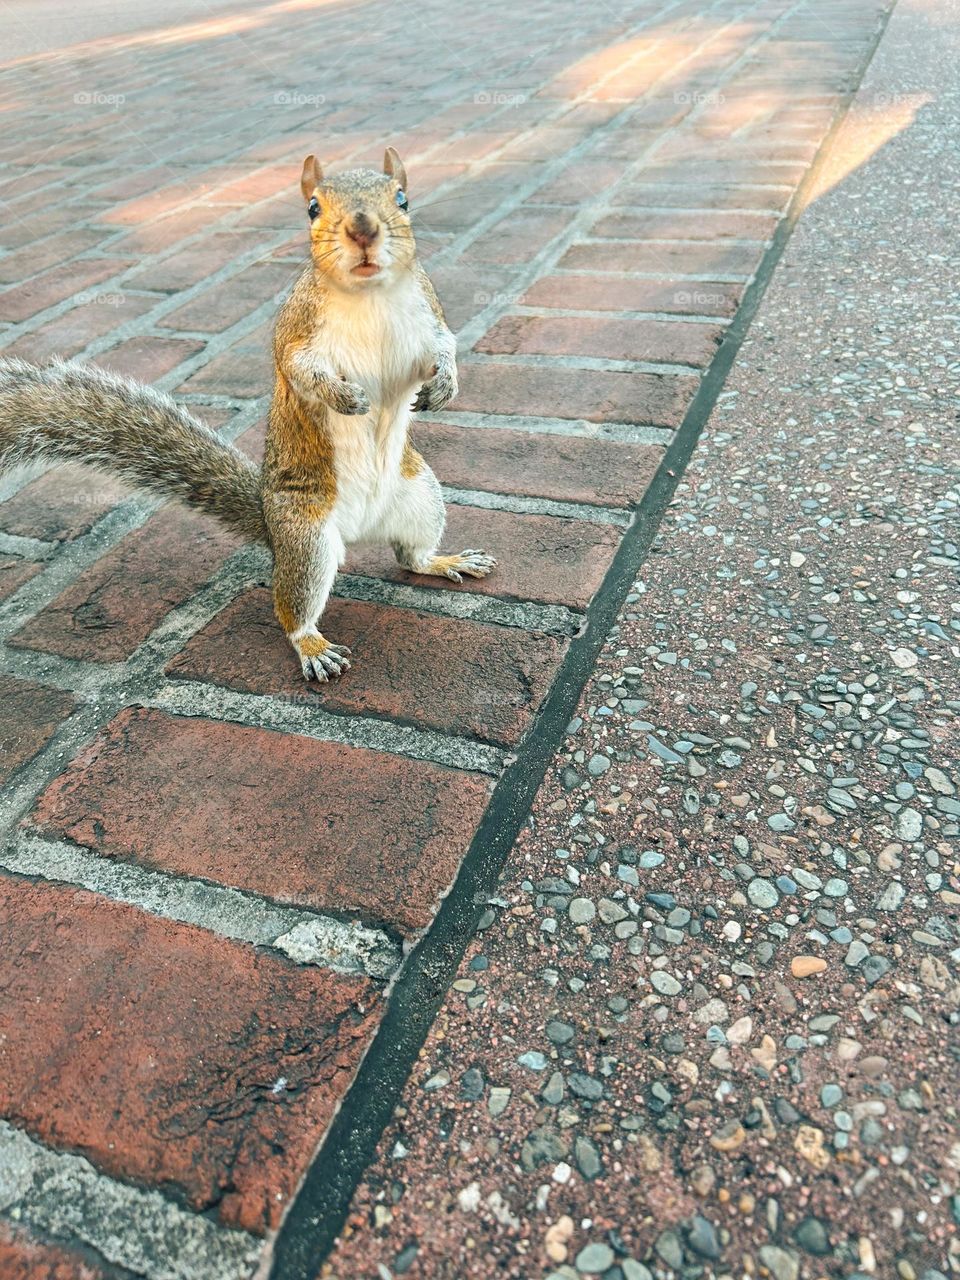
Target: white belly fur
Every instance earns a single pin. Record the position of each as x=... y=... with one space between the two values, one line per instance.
x=382 y=338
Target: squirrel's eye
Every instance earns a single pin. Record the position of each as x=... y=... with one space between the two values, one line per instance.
x=402 y=200
x=313 y=208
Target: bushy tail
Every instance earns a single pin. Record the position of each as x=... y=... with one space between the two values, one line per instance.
x=80 y=413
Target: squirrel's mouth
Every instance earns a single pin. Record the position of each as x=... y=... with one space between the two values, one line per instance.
x=365 y=269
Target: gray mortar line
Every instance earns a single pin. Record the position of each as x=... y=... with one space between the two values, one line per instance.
x=298 y=716
x=551 y=619
x=660 y=369
x=71 y=675
x=63 y=1195
x=623 y=432
x=306 y=936
x=660 y=277
x=582 y=313
x=633 y=210
x=213 y=400
x=688 y=241
x=522 y=505
x=12 y=544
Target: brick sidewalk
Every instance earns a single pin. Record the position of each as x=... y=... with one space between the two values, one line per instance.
x=213 y=874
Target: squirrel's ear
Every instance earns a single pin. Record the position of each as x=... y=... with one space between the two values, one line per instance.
x=311 y=176
x=393 y=167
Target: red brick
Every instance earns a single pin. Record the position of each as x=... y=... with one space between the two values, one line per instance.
x=32 y=714
x=633 y=82
x=698 y=224
x=21 y=301
x=465 y=289
x=548 y=141
x=584 y=180
x=15 y=233
x=293 y=253
x=161 y=199
x=427 y=177
x=593 y=71
x=138 y=182
x=473 y=199
x=313 y=823
x=519 y=236
x=148 y=359
x=56 y=249
x=22 y=1257
x=597 y=395
x=463 y=149
x=115 y=604
x=244 y=369
x=465 y=678
x=156 y=1050
x=666 y=196
x=14 y=572
x=69 y=333
x=29 y=179
x=258 y=185
x=612 y=339
x=193 y=264
x=538 y=465
x=156 y=236
x=664 y=257
x=749 y=149
x=595 y=293
x=60 y=505
x=538 y=557
x=224 y=304
x=283 y=212
x=723 y=172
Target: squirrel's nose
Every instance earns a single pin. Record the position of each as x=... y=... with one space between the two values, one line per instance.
x=362 y=230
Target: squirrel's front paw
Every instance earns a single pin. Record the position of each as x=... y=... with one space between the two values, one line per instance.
x=320 y=659
x=346 y=397
x=438 y=391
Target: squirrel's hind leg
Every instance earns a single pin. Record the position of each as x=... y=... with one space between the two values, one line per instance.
x=415 y=526
x=307 y=553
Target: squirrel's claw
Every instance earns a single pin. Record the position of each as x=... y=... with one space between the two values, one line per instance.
x=437 y=392
x=475 y=564
x=322 y=667
x=348 y=398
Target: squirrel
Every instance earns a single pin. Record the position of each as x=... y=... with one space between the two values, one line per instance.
x=360 y=342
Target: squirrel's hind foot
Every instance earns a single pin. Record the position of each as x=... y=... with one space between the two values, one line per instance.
x=320 y=659
x=472 y=564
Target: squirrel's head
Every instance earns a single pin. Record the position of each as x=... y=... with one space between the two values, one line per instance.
x=359 y=222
